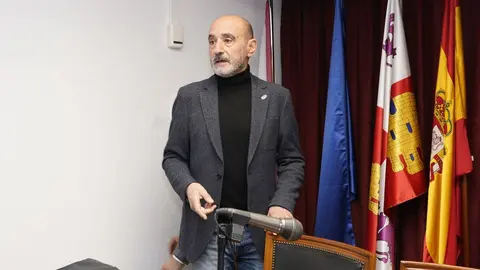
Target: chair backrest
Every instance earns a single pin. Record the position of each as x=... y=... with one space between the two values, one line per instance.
x=308 y=253
x=411 y=265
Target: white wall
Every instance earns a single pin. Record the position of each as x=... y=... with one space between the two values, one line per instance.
x=86 y=89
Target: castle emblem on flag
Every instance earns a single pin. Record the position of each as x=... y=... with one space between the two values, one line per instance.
x=404 y=135
x=388 y=44
x=374 y=194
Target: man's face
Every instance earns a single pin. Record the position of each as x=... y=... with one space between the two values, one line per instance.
x=230 y=46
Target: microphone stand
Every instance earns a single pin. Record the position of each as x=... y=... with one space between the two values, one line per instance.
x=221 y=243
x=227 y=231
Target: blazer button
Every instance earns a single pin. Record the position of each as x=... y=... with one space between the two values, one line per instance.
x=219 y=176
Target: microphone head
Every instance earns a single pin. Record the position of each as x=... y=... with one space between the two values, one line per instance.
x=293 y=229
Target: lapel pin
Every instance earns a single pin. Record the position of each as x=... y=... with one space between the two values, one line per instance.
x=264 y=97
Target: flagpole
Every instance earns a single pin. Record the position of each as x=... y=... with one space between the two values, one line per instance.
x=465 y=232
x=272 y=38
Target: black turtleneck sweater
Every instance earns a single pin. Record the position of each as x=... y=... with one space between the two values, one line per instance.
x=234 y=106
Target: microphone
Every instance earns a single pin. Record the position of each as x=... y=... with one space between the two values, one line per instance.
x=289 y=228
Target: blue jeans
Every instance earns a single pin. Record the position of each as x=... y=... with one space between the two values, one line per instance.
x=243 y=254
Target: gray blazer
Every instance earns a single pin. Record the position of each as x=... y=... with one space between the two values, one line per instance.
x=193 y=153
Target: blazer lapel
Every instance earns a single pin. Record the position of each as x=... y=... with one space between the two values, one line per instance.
x=260 y=102
x=209 y=101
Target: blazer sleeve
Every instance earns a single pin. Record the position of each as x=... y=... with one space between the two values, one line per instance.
x=176 y=154
x=290 y=160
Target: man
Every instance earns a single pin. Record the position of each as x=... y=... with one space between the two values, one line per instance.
x=230 y=136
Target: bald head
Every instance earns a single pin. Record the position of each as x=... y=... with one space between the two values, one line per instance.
x=231 y=44
x=237 y=21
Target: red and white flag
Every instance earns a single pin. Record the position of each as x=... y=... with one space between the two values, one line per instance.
x=397 y=173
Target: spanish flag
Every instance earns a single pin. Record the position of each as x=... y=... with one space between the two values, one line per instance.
x=450 y=154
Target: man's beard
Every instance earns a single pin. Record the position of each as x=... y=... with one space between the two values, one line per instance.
x=230 y=70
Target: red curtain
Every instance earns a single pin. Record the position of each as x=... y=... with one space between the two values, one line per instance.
x=306 y=32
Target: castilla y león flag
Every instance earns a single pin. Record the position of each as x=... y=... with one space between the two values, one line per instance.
x=450 y=156
x=397 y=173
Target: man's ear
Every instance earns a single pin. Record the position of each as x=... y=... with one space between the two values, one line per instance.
x=251 y=47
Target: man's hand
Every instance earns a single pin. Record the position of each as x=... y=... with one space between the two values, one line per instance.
x=172 y=264
x=279 y=212
x=172 y=245
x=196 y=192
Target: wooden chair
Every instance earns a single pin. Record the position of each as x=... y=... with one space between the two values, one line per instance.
x=312 y=253
x=411 y=265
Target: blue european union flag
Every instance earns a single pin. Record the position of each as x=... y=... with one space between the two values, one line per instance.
x=337 y=174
